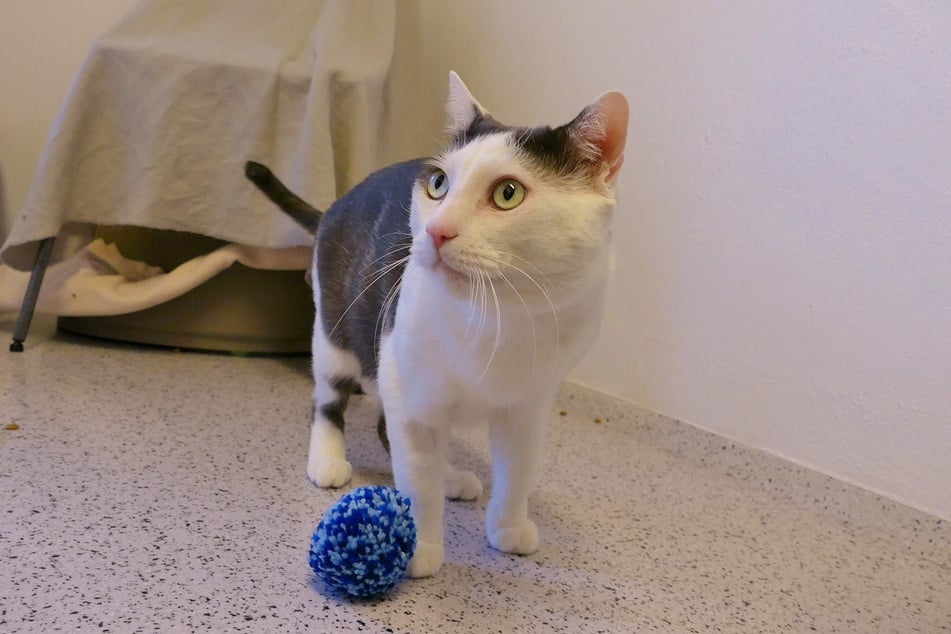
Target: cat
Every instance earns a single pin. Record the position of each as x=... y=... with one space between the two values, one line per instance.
x=457 y=289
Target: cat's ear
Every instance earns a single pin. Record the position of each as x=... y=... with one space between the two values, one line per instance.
x=600 y=132
x=461 y=106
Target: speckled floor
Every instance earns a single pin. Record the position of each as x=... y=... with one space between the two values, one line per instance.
x=151 y=490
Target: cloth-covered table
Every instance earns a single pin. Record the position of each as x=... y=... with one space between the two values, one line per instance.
x=170 y=103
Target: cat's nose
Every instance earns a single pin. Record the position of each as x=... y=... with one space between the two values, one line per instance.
x=440 y=233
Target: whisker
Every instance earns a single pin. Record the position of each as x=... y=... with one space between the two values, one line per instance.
x=531 y=319
x=484 y=301
x=551 y=304
x=388 y=303
x=389 y=253
x=498 y=327
x=379 y=275
x=472 y=296
x=399 y=234
x=521 y=259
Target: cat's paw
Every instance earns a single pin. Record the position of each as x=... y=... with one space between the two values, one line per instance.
x=520 y=538
x=427 y=559
x=462 y=485
x=329 y=473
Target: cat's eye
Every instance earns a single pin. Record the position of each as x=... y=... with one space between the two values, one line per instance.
x=437 y=185
x=508 y=194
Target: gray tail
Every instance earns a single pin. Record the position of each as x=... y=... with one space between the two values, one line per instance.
x=289 y=202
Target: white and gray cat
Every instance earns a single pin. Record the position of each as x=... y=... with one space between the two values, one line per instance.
x=458 y=289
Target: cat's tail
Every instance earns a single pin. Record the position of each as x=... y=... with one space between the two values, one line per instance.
x=290 y=203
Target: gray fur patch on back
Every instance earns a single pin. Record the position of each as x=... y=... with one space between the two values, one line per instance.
x=361 y=244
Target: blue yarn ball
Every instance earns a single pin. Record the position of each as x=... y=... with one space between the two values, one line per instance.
x=364 y=542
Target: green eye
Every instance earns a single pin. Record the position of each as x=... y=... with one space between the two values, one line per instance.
x=437 y=185
x=508 y=194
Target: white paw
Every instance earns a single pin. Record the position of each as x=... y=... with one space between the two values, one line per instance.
x=329 y=472
x=520 y=538
x=462 y=485
x=427 y=559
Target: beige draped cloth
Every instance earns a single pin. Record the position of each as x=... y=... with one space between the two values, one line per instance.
x=97 y=280
x=170 y=103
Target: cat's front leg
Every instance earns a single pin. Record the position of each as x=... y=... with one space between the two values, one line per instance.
x=516 y=436
x=418 y=454
x=416 y=424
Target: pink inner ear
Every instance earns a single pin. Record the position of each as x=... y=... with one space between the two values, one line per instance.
x=612 y=110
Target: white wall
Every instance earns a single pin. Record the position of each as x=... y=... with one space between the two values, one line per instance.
x=784 y=232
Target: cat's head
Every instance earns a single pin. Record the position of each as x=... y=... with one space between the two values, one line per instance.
x=513 y=203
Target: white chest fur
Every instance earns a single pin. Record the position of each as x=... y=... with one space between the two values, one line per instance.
x=488 y=348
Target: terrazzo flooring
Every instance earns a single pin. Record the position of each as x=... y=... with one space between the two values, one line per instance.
x=148 y=490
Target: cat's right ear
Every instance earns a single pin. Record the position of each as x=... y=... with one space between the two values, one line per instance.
x=461 y=106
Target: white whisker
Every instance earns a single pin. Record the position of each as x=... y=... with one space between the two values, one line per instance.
x=484 y=300
x=389 y=253
x=531 y=319
x=498 y=327
x=538 y=270
x=472 y=303
x=388 y=303
x=377 y=276
x=547 y=296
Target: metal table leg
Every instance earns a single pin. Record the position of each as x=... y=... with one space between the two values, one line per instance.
x=22 y=326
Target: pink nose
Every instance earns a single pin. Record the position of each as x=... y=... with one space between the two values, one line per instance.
x=440 y=234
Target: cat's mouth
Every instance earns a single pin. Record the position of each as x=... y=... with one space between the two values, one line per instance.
x=457 y=274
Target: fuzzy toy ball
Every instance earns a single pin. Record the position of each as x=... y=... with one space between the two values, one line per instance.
x=364 y=542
